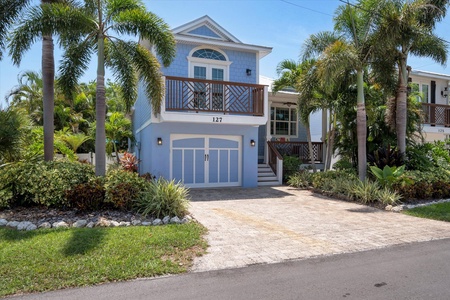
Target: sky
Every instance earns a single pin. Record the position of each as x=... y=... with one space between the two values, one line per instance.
x=281 y=24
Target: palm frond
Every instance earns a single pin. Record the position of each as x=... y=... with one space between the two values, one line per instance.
x=150 y=27
x=11 y=10
x=317 y=43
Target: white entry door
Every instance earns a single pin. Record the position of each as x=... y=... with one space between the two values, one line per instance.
x=206 y=161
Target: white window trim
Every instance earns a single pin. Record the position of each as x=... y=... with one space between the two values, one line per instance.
x=421 y=83
x=283 y=135
x=208 y=63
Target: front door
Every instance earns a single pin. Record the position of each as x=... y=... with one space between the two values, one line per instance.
x=206 y=161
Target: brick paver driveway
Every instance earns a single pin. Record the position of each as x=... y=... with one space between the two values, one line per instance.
x=272 y=224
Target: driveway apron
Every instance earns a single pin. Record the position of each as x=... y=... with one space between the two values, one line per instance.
x=273 y=224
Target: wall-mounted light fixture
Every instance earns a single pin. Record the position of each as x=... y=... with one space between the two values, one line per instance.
x=444 y=93
x=159 y=141
x=249 y=72
x=252 y=143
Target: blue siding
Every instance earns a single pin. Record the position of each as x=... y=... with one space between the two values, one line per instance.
x=142 y=109
x=156 y=159
x=205 y=31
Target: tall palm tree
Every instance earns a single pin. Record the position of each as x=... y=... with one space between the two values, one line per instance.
x=291 y=75
x=35 y=25
x=100 y=28
x=349 y=53
x=11 y=10
x=406 y=27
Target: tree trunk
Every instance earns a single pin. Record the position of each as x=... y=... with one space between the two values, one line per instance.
x=331 y=141
x=311 y=152
x=48 y=79
x=401 y=107
x=100 y=111
x=361 y=124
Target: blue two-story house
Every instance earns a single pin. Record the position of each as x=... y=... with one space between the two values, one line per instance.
x=207 y=132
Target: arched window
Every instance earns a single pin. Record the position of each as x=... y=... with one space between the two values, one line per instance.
x=209 y=54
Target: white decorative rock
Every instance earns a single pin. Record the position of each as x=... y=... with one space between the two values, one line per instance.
x=90 y=225
x=3 y=222
x=23 y=225
x=60 y=224
x=114 y=224
x=184 y=220
x=103 y=222
x=45 y=225
x=12 y=224
x=188 y=217
x=124 y=224
x=397 y=208
x=388 y=207
x=166 y=220
x=175 y=220
x=135 y=222
x=145 y=223
x=79 y=224
x=31 y=227
x=157 y=222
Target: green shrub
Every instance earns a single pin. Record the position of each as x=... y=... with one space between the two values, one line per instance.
x=291 y=165
x=389 y=175
x=424 y=185
x=388 y=196
x=301 y=179
x=429 y=156
x=385 y=156
x=365 y=191
x=43 y=183
x=163 y=198
x=122 y=187
x=322 y=180
x=86 y=196
x=344 y=164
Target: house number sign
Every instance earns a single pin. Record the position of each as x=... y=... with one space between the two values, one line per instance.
x=217 y=119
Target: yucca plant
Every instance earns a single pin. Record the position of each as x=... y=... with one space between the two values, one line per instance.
x=388 y=197
x=366 y=191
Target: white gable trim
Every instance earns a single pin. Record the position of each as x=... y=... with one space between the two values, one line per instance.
x=211 y=24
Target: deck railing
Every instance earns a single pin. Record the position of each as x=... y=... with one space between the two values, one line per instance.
x=436 y=114
x=300 y=149
x=199 y=95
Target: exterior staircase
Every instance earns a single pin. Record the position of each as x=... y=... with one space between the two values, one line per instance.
x=266 y=176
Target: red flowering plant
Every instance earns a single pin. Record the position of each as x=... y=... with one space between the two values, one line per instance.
x=129 y=162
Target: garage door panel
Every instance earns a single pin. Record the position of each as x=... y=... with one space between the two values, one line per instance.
x=189 y=143
x=213 y=166
x=177 y=164
x=223 y=143
x=188 y=177
x=234 y=166
x=200 y=166
x=223 y=166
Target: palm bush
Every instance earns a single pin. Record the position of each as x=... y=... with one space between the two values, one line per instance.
x=163 y=198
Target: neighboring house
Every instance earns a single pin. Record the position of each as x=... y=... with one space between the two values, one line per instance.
x=434 y=91
x=207 y=132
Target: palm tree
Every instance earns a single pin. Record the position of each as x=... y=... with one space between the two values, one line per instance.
x=117 y=128
x=349 y=53
x=406 y=27
x=100 y=26
x=37 y=24
x=14 y=126
x=291 y=74
x=11 y=10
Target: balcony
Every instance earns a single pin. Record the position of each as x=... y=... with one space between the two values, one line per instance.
x=192 y=95
x=436 y=114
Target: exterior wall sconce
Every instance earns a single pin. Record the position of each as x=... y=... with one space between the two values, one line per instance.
x=249 y=72
x=444 y=93
x=252 y=143
x=159 y=141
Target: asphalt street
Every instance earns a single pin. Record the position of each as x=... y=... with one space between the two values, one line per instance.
x=412 y=271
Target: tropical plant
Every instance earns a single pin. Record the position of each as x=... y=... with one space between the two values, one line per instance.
x=118 y=131
x=406 y=27
x=38 y=23
x=74 y=141
x=385 y=156
x=86 y=196
x=388 y=175
x=122 y=188
x=301 y=179
x=100 y=27
x=14 y=129
x=163 y=198
x=129 y=162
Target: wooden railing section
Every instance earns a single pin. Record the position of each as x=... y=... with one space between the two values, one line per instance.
x=274 y=156
x=198 y=95
x=436 y=114
x=300 y=149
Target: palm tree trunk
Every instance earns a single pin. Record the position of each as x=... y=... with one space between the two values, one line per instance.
x=48 y=76
x=401 y=107
x=331 y=141
x=361 y=130
x=311 y=152
x=100 y=111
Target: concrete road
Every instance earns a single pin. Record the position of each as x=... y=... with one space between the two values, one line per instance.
x=412 y=271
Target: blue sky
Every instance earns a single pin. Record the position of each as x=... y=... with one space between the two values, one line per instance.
x=281 y=24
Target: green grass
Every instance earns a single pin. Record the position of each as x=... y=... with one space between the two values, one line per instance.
x=440 y=211
x=42 y=260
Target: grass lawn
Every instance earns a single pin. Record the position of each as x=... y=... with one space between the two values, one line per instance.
x=440 y=211
x=42 y=260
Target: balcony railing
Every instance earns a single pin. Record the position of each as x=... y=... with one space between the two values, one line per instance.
x=436 y=114
x=300 y=149
x=198 y=95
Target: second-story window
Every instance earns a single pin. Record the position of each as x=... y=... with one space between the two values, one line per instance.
x=283 y=121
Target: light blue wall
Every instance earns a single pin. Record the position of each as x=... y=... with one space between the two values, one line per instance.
x=156 y=159
x=205 y=31
x=142 y=109
x=241 y=61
